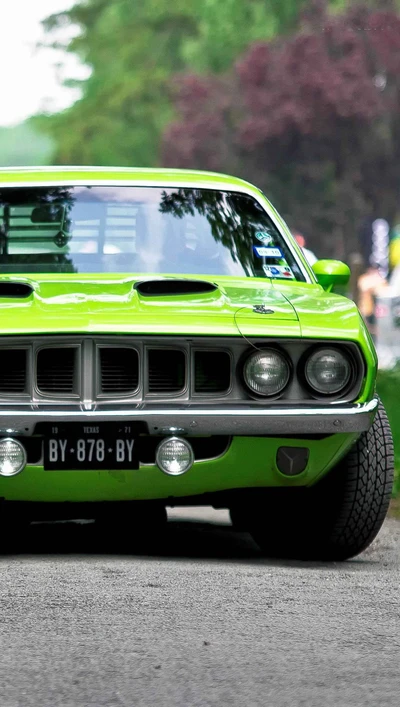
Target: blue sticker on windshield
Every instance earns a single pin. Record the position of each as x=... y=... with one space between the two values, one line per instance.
x=264 y=237
x=264 y=252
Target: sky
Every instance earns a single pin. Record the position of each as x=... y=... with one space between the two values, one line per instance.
x=30 y=76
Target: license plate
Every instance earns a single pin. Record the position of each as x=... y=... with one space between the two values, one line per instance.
x=90 y=448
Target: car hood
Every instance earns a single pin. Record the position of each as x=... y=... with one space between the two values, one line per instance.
x=115 y=304
x=69 y=303
x=323 y=314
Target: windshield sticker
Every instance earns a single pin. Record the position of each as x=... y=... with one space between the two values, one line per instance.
x=264 y=237
x=263 y=252
x=282 y=271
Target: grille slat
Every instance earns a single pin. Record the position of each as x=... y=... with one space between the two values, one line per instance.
x=13 y=371
x=56 y=370
x=212 y=372
x=119 y=370
x=166 y=371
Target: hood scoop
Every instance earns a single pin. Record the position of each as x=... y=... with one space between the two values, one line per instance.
x=16 y=290
x=167 y=287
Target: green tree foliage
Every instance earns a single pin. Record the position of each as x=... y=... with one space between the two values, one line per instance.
x=388 y=386
x=24 y=145
x=134 y=48
x=313 y=119
x=225 y=29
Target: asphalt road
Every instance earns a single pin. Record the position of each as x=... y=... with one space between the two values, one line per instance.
x=203 y=621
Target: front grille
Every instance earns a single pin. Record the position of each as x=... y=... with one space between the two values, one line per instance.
x=56 y=370
x=166 y=371
x=111 y=372
x=89 y=368
x=13 y=371
x=212 y=372
x=119 y=370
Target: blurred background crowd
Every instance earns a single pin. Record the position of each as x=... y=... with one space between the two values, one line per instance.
x=301 y=97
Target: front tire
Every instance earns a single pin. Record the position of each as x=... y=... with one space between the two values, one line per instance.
x=340 y=516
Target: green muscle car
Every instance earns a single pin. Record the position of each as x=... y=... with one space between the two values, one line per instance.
x=164 y=342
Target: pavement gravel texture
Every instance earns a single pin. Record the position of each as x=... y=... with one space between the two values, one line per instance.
x=201 y=620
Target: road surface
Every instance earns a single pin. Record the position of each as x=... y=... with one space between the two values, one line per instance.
x=203 y=622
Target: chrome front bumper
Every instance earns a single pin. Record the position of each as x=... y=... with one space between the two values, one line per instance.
x=256 y=422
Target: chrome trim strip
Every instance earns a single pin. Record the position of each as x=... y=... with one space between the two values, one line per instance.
x=199 y=422
x=173 y=183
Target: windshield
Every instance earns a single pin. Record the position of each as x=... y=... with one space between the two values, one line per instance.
x=140 y=230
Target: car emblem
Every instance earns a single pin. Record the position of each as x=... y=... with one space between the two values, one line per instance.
x=262 y=309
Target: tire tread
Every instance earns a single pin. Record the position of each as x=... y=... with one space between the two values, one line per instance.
x=369 y=472
x=339 y=517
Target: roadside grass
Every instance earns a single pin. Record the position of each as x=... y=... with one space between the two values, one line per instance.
x=394 y=508
x=388 y=386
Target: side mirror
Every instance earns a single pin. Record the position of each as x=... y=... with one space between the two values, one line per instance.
x=331 y=274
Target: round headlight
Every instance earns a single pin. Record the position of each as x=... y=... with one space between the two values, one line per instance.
x=327 y=371
x=174 y=456
x=266 y=372
x=12 y=457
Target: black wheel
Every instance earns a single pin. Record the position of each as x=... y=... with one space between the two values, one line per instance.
x=339 y=517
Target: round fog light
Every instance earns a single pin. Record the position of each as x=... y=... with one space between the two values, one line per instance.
x=174 y=456
x=12 y=457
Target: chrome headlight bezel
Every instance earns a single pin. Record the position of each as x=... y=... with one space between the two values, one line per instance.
x=257 y=353
x=339 y=391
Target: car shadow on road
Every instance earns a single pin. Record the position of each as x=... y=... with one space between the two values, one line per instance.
x=179 y=540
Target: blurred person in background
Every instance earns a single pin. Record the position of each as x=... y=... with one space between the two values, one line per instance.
x=370 y=285
x=373 y=283
x=394 y=249
x=309 y=255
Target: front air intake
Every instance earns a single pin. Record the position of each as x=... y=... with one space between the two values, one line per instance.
x=212 y=372
x=13 y=371
x=173 y=287
x=56 y=371
x=166 y=371
x=119 y=370
x=15 y=290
